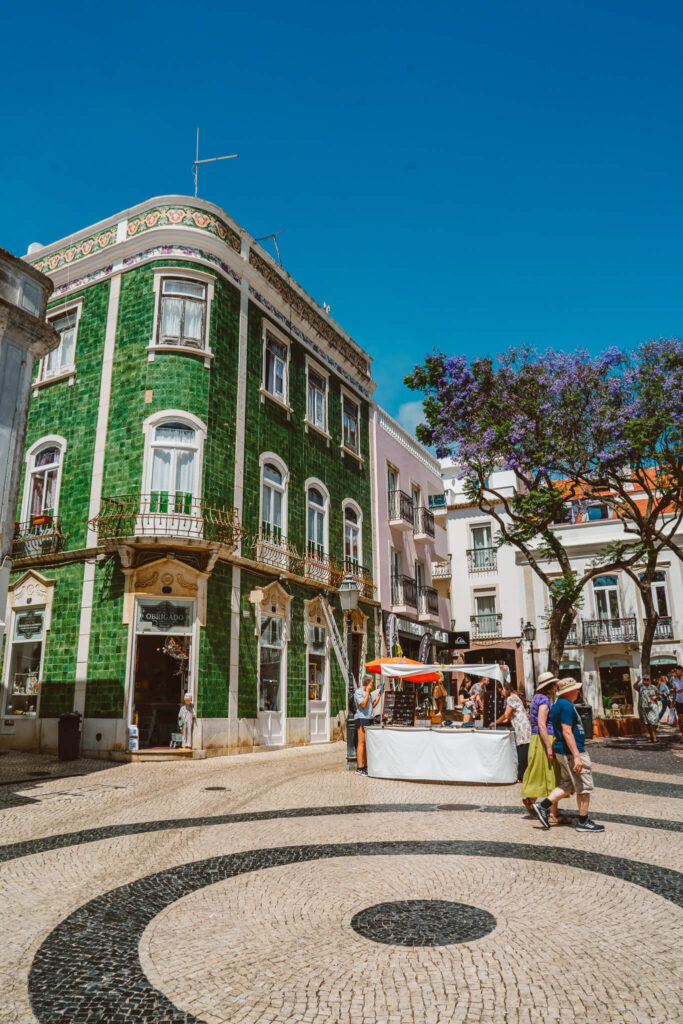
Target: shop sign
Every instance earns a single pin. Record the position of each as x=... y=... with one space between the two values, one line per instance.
x=28 y=625
x=164 y=617
x=460 y=638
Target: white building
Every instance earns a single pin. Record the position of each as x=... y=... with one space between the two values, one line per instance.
x=494 y=590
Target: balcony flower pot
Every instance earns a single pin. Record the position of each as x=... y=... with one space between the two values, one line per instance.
x=41 y=520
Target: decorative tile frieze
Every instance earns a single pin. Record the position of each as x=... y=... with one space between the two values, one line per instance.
x=307 y=313
x=78 y=251
x=187 y=216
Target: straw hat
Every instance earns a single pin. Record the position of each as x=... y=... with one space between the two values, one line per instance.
x=545 y=680
x=567 y=685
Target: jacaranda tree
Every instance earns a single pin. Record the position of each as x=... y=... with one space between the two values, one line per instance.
x=518 y=412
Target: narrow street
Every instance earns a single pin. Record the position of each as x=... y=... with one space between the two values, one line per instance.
x=278 y=887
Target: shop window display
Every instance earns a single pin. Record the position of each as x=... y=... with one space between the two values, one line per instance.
x=23 y=682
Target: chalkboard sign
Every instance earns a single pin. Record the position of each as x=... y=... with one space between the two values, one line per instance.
x=399 y=708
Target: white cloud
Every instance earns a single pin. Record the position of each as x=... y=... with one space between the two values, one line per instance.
x=409 y=415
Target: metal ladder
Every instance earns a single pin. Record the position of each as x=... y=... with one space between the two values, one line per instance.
x=336 y=639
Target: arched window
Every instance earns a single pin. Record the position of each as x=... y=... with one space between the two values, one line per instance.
x=317 y=503
x=174 y=473
x=44 y=467
x=273 y=496
x=353 y=551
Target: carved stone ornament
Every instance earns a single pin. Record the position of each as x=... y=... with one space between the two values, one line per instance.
x=31 y=588
x=147 y=580
x=189 y=585
x=358 y=621
x=271 y=600
x=167 y=579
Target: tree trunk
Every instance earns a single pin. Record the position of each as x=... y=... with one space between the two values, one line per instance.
x=560 y=622
x=651 y=619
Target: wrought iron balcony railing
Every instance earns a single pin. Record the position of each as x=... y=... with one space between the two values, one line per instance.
x=664 y=630
x=610 y=631
x=428 y=601
x=362 y=577
x=486 y=625
x=39 y=535
x=441 y=570
x=403 y=592
x=272 y=549
x=481 y=559
x=167 y=514
x=400 y=508
x=318 y=566
x=423 y=525
x=572 y=636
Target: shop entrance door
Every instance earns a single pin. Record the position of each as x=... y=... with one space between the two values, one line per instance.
x=318 y=689
x=160 y=681
x=272 y=683
x=615 y=683
x=162 y=668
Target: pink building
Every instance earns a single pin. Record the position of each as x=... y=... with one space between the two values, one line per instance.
x=411 y=562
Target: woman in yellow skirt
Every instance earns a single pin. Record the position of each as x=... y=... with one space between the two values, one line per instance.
x=542 y=775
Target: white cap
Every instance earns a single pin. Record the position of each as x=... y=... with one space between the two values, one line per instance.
x=188 y=696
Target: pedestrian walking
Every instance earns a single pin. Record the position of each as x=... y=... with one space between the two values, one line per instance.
x=575 y=765
x=515 y=714
x=543 y=772
x=364 y=707
x=664 y=696
x=676 y=683
x=648 y=696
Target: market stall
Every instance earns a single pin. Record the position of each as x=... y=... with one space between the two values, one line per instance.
x=398 y=749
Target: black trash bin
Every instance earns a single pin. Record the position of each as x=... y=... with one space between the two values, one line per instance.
x=586 y=715
x=69 y=735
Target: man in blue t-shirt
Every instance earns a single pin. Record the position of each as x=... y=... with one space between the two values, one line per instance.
x=573 y=761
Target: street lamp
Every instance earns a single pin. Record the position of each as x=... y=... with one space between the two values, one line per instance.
x=529 y=634
x=348 y=599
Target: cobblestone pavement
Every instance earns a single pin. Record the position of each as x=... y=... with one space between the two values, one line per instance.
x=278 y=887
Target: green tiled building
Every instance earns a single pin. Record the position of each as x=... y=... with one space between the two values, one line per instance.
x=197 y=482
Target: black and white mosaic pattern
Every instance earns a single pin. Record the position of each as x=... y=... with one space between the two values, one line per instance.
x=88 y=968
x=422 y=923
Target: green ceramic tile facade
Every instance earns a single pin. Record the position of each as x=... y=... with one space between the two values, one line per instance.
x=182 y=381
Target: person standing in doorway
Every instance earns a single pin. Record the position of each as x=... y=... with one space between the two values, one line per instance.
x=575 y=765
x=364 y=707
x=186 y=720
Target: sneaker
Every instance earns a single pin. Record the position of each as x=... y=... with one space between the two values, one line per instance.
x=589 y=826
x=361 y=771
x=541 y=813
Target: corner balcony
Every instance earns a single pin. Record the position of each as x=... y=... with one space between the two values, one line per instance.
x=664 y=629
x=37 y=537
x=423 y=524
x=610 y=631
x=401 y=513
x=403 y=594
x=481 y=559
x=428 y=604
x=160 y=517
x=487 y=626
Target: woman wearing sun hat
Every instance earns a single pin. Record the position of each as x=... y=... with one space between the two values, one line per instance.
x=543 y=774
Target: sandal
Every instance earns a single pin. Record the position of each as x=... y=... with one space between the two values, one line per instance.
x=559 y=820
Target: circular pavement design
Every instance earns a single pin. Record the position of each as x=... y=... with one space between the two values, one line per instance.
x=88 y=969
x=422 y=923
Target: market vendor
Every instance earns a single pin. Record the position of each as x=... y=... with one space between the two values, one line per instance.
x=364 y=707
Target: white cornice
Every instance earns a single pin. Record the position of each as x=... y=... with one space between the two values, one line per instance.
x=395 y=430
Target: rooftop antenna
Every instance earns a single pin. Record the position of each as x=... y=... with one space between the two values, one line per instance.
x=274 y=239
x=208 y=160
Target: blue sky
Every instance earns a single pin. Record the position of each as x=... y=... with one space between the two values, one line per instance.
x=464 y=175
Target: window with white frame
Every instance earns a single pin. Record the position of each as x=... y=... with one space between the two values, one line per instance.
x=350 y=424
x=174 y=468
x=182 y=313
x=275 y=367
x=60 y=360
x=25 y=658
x=659 y=594
x=316 y=503
x=352 y=537
x=486 y=618
x=482 y=554
x=316 y=407
x=42 y=484
x=606 y=590
x=273 y=498
x=271 y=649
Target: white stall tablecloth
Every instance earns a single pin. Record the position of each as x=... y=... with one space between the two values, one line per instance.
x=441 y=755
